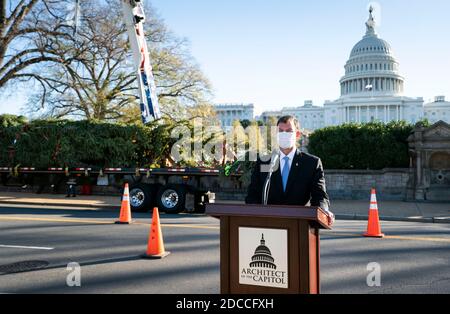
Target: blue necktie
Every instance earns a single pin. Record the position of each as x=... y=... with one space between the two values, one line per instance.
x=285 y=173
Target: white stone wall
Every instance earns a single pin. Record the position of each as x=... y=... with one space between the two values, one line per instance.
x=414 y=111
x=270 y=114
x=438 y=110
x=309 y=116
x=353 y=184
x=391 y=185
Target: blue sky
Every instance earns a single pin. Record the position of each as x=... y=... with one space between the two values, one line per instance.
x=277 y=53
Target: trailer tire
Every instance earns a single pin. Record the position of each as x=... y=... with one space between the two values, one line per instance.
x=171 y=199
x=141 y=198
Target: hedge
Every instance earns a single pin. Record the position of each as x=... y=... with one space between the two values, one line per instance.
x=371 y=146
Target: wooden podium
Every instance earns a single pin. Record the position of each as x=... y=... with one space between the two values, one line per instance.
x=269 y=249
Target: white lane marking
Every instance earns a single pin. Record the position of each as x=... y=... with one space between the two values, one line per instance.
x=26 y=247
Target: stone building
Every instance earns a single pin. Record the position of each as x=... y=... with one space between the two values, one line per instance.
x=372 y=90
x=310 y=117
x=229 y=113
x=430 y=163
x=438 y=110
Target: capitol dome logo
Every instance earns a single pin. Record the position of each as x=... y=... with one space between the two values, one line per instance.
x=263 y=257
x=263 y=266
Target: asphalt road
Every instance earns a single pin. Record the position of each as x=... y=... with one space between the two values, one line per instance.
x=414 y=258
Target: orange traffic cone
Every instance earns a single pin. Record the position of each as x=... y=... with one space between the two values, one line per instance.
x=155 y=249
x=374 y=228
x=125 y=210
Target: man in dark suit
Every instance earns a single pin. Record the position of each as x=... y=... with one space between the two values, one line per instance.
x=298 y=178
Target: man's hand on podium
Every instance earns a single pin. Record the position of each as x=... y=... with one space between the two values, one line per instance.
x=331 y=218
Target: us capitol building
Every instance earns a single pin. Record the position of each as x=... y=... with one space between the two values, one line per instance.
x=372 y=87
x=371 y=90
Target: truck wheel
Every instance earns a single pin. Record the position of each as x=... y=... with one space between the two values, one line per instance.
x=140 y=198
x=171 y=199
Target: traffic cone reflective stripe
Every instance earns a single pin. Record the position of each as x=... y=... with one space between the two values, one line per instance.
x=374 y=227
x=125 y=209
x=155 y=248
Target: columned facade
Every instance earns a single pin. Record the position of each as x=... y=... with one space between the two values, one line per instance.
x=229 y=113
x=373 y=113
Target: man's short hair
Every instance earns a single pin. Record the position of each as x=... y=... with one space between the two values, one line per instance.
x=287 y=119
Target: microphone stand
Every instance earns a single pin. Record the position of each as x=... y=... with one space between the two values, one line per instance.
x=266 y=189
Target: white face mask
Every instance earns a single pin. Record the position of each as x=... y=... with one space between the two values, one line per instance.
x=287 y=140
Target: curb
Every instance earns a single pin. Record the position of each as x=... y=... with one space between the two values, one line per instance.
x=92 y=206
x=436 y=220
x=354 y=217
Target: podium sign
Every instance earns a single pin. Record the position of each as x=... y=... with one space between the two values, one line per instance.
x=269 y=249
x=263 y=257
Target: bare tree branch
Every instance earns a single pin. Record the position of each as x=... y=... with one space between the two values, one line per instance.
x=26 y=37
x=96 y=78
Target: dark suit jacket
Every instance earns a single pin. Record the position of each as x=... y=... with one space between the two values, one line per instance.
x=306 y=184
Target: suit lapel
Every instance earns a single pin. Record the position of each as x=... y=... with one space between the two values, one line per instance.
x=295 y=170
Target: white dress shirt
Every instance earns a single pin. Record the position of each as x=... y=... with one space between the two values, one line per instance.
x=291 y=159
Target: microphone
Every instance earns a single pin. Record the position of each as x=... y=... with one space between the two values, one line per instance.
x=274 y=162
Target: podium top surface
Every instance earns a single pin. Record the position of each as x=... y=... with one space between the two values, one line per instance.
x=312 y=214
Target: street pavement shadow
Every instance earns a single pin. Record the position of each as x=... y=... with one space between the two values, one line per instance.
x=87 y=213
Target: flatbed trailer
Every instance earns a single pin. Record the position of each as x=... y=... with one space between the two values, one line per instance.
x=172 y=190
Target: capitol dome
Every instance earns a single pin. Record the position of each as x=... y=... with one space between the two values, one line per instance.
x=372 y=69
x=371 y=44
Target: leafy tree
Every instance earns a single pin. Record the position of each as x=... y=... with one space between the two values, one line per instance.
x=8 y=120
